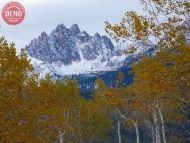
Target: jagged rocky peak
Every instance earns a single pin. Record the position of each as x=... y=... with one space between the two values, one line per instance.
x=43 y=34
x=97 y=35
x=67 y=45
x=72 y=51
x=75 y=29
x=60 y=27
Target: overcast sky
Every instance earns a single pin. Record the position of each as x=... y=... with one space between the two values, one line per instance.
x=45 y=15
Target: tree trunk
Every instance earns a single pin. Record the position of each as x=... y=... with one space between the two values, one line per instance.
x=61 y=138
x=157 y=128
x=163 y=127
x=137 y=132
x=153 y=134
x=118 y=131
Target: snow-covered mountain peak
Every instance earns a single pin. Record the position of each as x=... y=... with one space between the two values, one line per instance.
x=75 y=29
x=70 y=51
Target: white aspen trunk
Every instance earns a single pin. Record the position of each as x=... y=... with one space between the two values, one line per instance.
x=61 y=138
x=159 y=136
x=137 y=132
x=151 y=127
x=163 y=127
x=153 y=135
x=157 y=129
x=118 y=131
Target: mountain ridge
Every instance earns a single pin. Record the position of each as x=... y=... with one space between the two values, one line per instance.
x=70 y=51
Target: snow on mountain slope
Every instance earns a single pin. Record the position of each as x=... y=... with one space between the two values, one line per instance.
x=79 y=67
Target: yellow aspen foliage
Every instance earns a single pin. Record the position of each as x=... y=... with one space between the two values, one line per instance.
x=162 y=25
x=15 y=69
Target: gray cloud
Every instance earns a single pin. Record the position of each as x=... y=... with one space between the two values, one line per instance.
x=45 y=15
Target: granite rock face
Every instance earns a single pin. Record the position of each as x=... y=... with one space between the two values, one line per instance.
x=70 y=51
x=67 y=45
